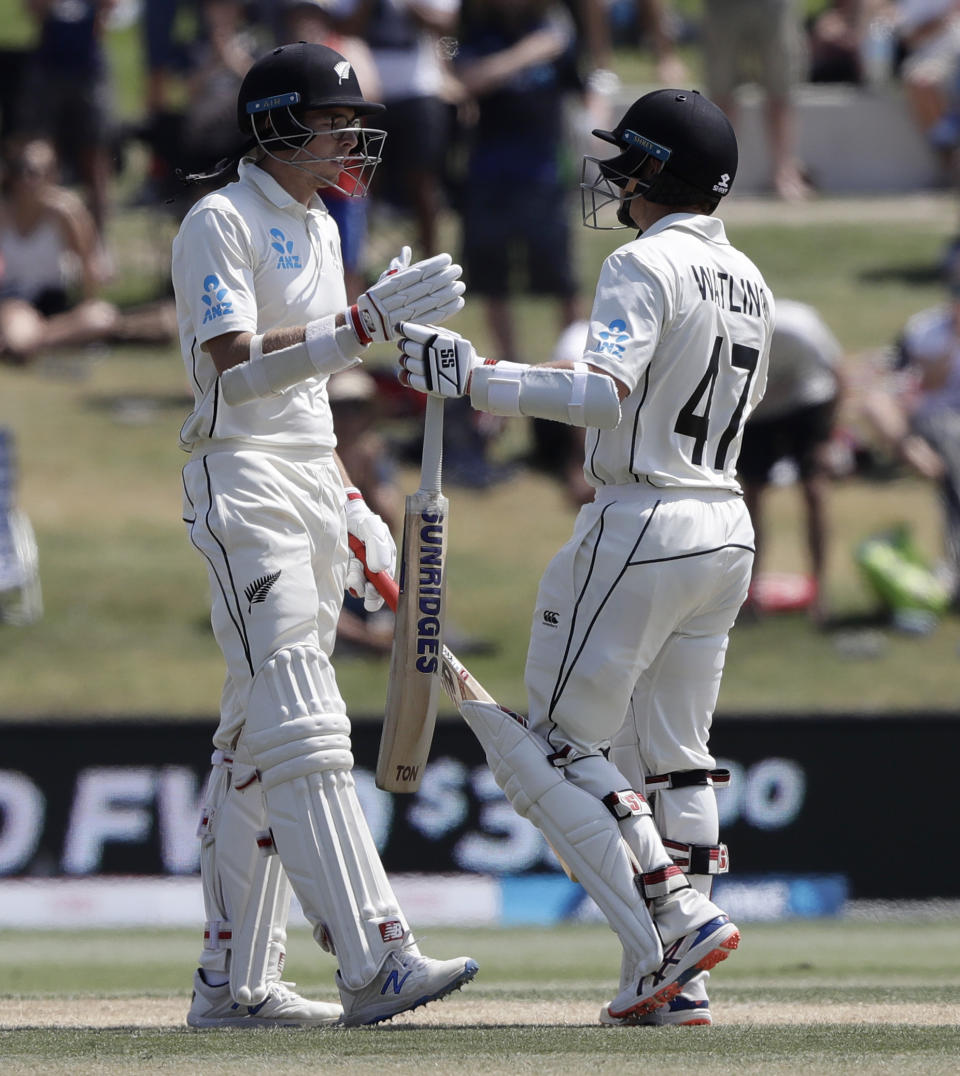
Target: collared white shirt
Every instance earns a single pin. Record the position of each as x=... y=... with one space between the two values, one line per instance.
x=683 y=319
x=251 y=258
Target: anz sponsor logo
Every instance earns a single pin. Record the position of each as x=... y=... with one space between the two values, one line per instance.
x=284 y=247
x=429 y=591
x=215 y=299
x=612 y=339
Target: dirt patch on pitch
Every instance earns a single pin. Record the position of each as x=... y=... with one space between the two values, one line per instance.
x=154 y=1012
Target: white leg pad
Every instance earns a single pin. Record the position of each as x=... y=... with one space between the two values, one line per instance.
x=580 y=828
x=301 y=746
x=245 y=890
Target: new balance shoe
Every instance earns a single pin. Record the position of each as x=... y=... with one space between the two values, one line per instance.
x=212 y=1006
x=406 y=981
x=700 y=950
x=680 y=1011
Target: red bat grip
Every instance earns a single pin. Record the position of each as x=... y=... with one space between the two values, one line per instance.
x=384 y=582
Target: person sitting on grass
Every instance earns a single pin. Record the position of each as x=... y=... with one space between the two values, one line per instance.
x=51 y=272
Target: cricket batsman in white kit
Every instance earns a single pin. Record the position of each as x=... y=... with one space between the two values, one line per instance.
x=633 y=614
x=264 y=321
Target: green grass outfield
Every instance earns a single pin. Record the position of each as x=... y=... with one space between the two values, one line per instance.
x=126 y=627
x=830 y=996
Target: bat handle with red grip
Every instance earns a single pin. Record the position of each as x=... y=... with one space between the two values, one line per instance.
x=384 y=582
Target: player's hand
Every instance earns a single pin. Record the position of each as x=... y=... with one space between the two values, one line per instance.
x=380 y=549
x=429 y=290
x=436 y=361
x=400 y=261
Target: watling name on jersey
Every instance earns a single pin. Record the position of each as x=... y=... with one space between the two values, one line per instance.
x=738 y=295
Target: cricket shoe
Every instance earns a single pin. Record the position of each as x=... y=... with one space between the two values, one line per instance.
x=700 y=950
x=406 y=981
x=678 y=1012
x=212 y=1006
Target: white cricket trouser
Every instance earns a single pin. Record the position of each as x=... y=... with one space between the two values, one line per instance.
x=272 y=531
x=632 y=619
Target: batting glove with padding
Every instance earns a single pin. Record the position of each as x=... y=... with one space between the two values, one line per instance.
x=380 y=549
x=430 y=290
x=436 y=361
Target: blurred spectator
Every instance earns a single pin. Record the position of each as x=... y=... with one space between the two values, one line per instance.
x=929 y=33
x=219 y=62
x=838 y=37
x=67 y=93
x=370 y=464
x=652 y=24
x=405 y=39
x=516 y=65
x=762 y=40
x=795 y=422
x=312 y=20
x=165 y=57
x=917 y=411
x=50 y=259
x=51 y=268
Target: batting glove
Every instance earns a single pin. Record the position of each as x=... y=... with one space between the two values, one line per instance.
x=436 y=361
x=401 y=261
x=380 y=548
x=430 y=290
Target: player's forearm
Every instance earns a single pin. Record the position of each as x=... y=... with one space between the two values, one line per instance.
x=255 y=367
x=485 y=75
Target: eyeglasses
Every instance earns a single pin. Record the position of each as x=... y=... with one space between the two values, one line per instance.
x=336 y=124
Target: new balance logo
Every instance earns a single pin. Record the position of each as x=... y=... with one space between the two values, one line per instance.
x=395 y=980
x=392 y=930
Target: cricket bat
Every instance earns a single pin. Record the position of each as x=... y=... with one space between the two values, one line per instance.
x=458 y=682
x=416 y=660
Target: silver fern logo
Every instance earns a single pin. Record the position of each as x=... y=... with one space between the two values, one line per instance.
x=258 y=590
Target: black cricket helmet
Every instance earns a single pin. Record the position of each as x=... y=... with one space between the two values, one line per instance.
x=292 y=79
x=689 y=141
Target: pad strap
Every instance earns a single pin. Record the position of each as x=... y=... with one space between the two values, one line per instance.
x=626 y=804
x=685 y=778
x=217 y=934
x=698 y=858
x=661 y=882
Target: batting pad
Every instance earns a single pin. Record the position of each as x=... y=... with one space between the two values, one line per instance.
x=581 y=829
x=302 y=751
x=246 y=894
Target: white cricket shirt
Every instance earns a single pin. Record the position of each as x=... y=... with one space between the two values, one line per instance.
x=251 y=258
x=683 y=319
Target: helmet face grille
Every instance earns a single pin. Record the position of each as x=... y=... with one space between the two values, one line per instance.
x=357 y=163
x=601 y=189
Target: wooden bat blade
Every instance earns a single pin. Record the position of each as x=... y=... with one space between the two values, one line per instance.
x=458 y=682
x=413 y=687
